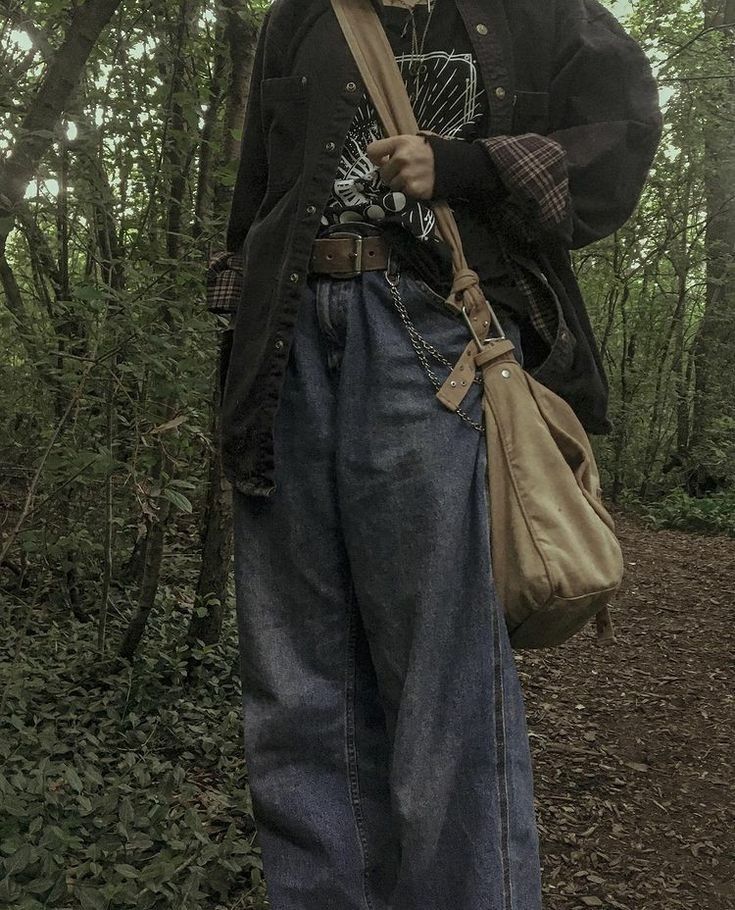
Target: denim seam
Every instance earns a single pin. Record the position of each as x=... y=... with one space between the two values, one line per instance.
x=502 y=763
x=351 y=750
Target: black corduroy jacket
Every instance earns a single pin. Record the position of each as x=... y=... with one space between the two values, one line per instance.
x=562 y=69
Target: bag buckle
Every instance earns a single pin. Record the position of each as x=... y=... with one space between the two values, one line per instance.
x=488 y=325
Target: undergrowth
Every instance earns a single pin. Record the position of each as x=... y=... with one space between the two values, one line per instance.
x=713 y=514
x=120 y=785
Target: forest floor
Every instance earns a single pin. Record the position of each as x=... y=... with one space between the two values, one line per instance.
x=634 y=742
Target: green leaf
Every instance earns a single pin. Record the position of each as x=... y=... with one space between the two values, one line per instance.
x=126 y=871
x=127 y=814
x=74 y=780
x=89 y=293
x=19 y=861
x=90 y=899
x=40 y=885
x=179 y=500
x=28 y=903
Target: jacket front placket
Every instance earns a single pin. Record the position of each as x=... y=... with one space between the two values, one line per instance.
x=341 y=83
x=489 y=32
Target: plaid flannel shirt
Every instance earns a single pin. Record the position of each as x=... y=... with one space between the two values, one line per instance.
x=224 y=282
x=533 y=170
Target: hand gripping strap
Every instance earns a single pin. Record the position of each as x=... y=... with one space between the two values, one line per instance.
x=374 y=56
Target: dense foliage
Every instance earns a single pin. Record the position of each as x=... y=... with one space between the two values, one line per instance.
x=662 y=290
x=118 y=787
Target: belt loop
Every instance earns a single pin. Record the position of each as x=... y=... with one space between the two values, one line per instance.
x=357 y=255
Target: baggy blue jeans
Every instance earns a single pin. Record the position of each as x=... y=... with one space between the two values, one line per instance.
x=385 y=730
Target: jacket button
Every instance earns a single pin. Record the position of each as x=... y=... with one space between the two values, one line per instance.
x=500 y=92
x=330 y=146
x=482 y=29
x=351 y=86
x=279 y=344
x=304 y=80
x=310 y=209
x=294 y=277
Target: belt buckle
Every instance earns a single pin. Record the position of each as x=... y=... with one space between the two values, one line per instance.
x=357 y=255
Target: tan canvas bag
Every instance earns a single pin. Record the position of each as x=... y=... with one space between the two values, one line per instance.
x=556 y=559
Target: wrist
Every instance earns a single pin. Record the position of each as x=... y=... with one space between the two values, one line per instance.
x=463 y=170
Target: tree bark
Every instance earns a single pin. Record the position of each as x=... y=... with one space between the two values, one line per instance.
x=242 y=37
x=178 y=163
x=212 y=586
x=210 y=132
x=211 y=593
x=713 y=426
x=149 y=583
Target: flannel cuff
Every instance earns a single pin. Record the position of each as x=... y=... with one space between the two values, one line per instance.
x=533 y=169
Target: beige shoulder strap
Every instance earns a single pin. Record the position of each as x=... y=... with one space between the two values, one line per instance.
x=374 y=56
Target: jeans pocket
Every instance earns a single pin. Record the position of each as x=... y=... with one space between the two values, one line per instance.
x=416 y=288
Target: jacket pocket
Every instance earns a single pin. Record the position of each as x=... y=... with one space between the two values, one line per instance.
x=531 y=112
x=284 y=103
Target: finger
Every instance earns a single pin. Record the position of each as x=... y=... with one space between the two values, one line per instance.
x=381 y=148
x=390 y=170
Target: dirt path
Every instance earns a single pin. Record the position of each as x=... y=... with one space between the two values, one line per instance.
x=634 y=742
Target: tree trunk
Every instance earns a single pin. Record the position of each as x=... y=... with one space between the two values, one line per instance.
x=211 y=594
x=671 y=353
x=177 y=168
x=210 y=133
x=713 y=428
x=242 y=38
x=621 y=431
x=149 y=584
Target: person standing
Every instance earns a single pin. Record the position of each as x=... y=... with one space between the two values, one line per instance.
x=385 y=731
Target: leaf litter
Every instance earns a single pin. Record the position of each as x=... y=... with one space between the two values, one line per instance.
x=633 y=742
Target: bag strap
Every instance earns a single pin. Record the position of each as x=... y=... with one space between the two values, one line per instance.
x=376 y=61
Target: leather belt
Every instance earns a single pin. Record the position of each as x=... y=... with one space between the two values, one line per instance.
x=345 y=255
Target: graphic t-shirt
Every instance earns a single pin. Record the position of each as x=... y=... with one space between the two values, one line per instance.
x=446 y=92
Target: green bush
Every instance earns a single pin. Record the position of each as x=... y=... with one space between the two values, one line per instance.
x=710 y=515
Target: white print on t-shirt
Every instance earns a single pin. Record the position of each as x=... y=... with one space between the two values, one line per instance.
x=446 y=98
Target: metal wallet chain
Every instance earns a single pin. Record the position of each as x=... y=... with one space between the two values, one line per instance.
x=424 y=350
